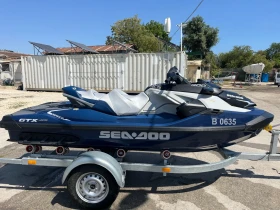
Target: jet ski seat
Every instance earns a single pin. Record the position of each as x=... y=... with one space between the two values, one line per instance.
x=122 y=103
x=116 y=102
x=91 y=94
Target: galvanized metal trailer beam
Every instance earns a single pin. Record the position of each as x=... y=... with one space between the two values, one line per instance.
x=179 y=169
x=272 y=155
x=230 y=157
x=38 y=161
x=65 y=162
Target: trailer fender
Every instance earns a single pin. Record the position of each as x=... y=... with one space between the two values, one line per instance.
x=98 y=158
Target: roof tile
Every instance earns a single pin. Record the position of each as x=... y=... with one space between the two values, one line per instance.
x=98 y=48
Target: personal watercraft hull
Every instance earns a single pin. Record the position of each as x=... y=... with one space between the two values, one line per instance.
x=59 y=124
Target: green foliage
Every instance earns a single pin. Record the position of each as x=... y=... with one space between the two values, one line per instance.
x=199 y=37
x=273 y=53
x=241 y=56
x=212 y=60
x=273 y=50
x=126 y=30
x=143 y=37
x=276 y=60
x=157 y=29
x=260 y=57
x=147 y=43
x=238 y=57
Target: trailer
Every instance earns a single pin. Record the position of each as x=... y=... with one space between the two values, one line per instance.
x=94 y=178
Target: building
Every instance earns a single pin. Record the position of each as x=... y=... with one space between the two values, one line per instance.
x=10 y=67
x=195 y=70
x=7 y=56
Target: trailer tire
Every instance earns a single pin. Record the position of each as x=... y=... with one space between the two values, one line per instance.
x=85 y=186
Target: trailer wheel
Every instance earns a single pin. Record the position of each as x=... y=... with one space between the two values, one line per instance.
x=93 y=187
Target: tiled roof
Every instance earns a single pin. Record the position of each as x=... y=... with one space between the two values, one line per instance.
x=99 y=48
x=9 y=54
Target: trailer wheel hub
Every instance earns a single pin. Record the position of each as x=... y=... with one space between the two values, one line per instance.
x=92 y=187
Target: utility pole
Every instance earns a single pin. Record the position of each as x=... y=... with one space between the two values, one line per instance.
x=181 y=26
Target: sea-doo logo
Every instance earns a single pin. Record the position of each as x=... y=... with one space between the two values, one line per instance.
x=28 y=120
x=198 y=85
x=140 y=136
x=232 y=96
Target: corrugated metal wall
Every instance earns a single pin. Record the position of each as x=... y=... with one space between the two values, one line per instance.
x=130 y=72
x=15 y=67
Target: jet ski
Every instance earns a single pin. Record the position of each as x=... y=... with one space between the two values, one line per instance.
x=175 y=116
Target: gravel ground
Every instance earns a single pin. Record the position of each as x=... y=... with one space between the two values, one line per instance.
x=243 y=185
x=14 y=100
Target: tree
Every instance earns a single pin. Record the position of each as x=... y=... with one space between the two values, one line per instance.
x=199 y=37
x=260 y=57
x=276 y=60
x=273 y=53
x=126 y=30
x=212 y=60
x=273 y=50
x=143 y=37
x=238 y=57
x=157 y=29
x=241 y=56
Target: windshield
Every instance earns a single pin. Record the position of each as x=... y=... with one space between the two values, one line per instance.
x=278 y=75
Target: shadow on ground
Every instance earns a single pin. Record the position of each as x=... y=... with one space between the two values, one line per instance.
x=138 y=184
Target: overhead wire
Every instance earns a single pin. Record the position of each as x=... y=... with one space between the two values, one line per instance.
x=189 y=16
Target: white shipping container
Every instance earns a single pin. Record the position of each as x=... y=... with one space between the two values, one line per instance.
x=102 y=72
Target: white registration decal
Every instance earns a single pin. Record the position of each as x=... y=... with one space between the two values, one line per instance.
x=223 y=121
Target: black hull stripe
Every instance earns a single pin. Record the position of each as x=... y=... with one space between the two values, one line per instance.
x=16 y=126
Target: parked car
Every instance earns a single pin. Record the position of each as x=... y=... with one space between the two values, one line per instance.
x=277 y=78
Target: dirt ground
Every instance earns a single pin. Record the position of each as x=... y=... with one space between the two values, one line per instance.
x=244 y=185
x=13 y=100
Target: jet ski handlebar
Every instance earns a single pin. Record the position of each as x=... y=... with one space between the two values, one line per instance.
x=175 y=77
x=167 y=81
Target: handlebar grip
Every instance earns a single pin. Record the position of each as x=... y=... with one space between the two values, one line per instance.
x=168 y=80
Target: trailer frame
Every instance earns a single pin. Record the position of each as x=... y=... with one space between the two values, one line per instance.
x=118 y=169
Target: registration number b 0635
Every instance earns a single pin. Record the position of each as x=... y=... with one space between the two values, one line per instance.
x=223 y=121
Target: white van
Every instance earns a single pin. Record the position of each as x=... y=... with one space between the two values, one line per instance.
x=277 y=78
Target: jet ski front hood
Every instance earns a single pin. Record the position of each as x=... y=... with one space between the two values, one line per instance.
x=236 y=99
x=260 y=122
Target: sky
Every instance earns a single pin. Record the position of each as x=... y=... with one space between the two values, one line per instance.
x=240 y=22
